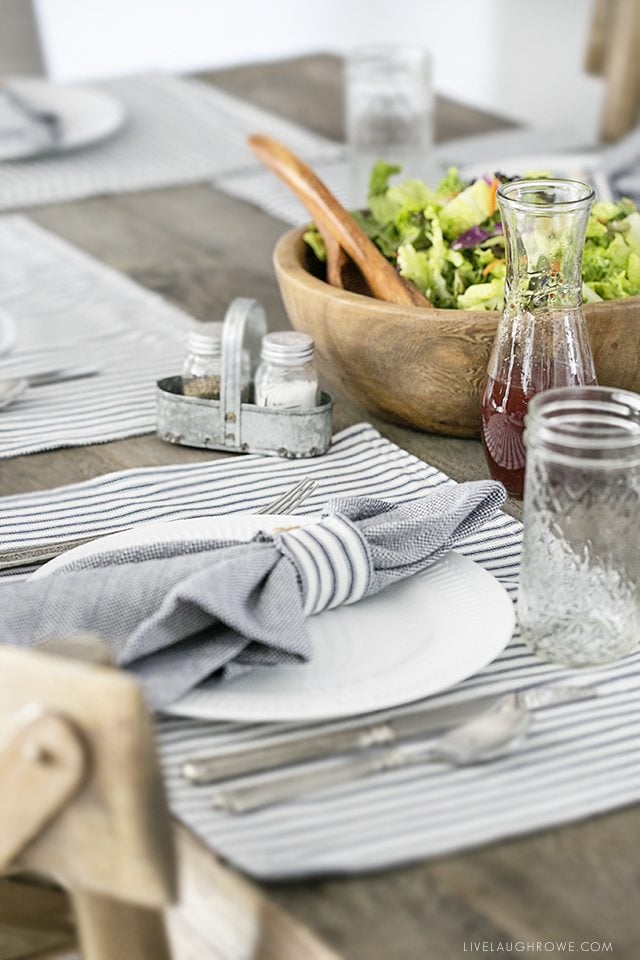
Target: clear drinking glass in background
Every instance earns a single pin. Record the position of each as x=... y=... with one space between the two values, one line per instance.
x=389 y=113
x=579 y=603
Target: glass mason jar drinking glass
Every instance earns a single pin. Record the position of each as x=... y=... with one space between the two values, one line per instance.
x=579 y=599
x=389 y=113
x=541 y=341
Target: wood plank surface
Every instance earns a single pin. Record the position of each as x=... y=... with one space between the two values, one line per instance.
x=190 y=244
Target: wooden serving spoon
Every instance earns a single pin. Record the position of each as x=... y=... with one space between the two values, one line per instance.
x=342 y=236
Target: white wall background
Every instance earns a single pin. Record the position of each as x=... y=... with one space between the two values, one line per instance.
x=522 y=58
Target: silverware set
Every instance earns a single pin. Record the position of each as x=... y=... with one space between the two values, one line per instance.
x=339 y=753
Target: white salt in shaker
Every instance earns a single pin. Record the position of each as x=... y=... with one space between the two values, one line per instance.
x=286 y=376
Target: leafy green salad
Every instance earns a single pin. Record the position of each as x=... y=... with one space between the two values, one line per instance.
x=449 y=241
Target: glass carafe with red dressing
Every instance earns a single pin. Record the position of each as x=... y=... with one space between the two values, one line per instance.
x=542 y=340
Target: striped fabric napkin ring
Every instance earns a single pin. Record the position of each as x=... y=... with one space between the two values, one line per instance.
x=332 y=560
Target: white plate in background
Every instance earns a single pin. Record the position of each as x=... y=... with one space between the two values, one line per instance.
x=87 y=116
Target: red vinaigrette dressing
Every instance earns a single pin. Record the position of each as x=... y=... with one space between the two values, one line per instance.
x=503 y=409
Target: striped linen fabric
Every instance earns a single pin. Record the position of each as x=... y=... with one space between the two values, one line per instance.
x=263 y=189
x=332 y=562
x=579 y=759
x=71 y=310
x=177 y=131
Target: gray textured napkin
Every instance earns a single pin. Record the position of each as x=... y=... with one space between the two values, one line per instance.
x=176 y=613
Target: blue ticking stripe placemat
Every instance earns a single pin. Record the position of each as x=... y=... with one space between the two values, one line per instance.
x=579 y=759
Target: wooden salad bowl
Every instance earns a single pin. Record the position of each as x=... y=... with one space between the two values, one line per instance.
x=422 y=366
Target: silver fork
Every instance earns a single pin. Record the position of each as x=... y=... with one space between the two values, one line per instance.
x=40 y=553
x=292 y=498
x=485 y=737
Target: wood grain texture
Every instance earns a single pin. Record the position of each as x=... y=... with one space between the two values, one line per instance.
x=595 y=60
x=109 y=929
x=20 y=48
x=190 y=244
x=621 y=104
x=42 y=761
x=425 y=367
x=33 y=918
x=338 y=228
x=111 y=838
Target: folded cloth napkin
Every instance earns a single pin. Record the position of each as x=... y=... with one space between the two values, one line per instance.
x=24 y=130
x=176 y=613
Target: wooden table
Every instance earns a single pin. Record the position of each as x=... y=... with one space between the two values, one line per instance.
x=576 y=883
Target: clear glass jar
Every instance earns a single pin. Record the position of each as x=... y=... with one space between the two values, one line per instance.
x=542 y=340
x=286 y=376
x=578 y=603
x=389 y=114
x=202 y=368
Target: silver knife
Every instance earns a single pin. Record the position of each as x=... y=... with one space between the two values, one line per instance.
x=354 y=735
x=488 y=735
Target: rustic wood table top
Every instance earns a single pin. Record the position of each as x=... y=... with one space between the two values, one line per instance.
x=190 y=245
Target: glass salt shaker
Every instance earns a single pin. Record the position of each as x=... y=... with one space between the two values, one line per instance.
x=542 y=339
x=579 y=597
x=202 y=369
x=287 y=376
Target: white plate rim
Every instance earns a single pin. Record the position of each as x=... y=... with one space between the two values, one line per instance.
x=111 y=115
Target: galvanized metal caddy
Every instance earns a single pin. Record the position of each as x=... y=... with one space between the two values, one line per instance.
x=229 y=424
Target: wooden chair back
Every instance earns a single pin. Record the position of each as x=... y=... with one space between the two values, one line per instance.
x=82 y=800
x=612 y=52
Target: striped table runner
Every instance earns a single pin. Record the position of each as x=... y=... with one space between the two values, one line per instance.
x=579 y=759
x=263 y=189
x=177 y=131
x=71 y=310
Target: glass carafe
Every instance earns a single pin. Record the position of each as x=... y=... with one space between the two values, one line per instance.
x=542 y=339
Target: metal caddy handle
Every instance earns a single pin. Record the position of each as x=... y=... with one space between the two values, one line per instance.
x=228 y=423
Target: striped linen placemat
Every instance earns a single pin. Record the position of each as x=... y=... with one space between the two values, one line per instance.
x=263 y=189
x=71 y=310
x=177 y=131
x=579 y=759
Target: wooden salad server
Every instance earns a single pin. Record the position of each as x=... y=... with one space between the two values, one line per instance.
x=342 y=236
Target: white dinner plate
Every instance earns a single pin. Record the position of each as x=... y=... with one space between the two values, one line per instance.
x=7 y=332
x=415 y=638
x=87 y=115
x=571 y=166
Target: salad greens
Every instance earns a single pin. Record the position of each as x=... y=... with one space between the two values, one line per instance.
x=449 y=240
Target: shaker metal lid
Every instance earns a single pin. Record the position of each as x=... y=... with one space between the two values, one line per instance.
x=287 y=347
x=205 y=339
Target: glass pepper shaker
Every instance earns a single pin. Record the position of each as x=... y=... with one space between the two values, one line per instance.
x=542 y=340
x=287 y=376
x=579 y=597
x=202 y=369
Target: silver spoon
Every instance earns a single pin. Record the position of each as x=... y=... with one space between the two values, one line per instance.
x=483 y=738
x=14 y=387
